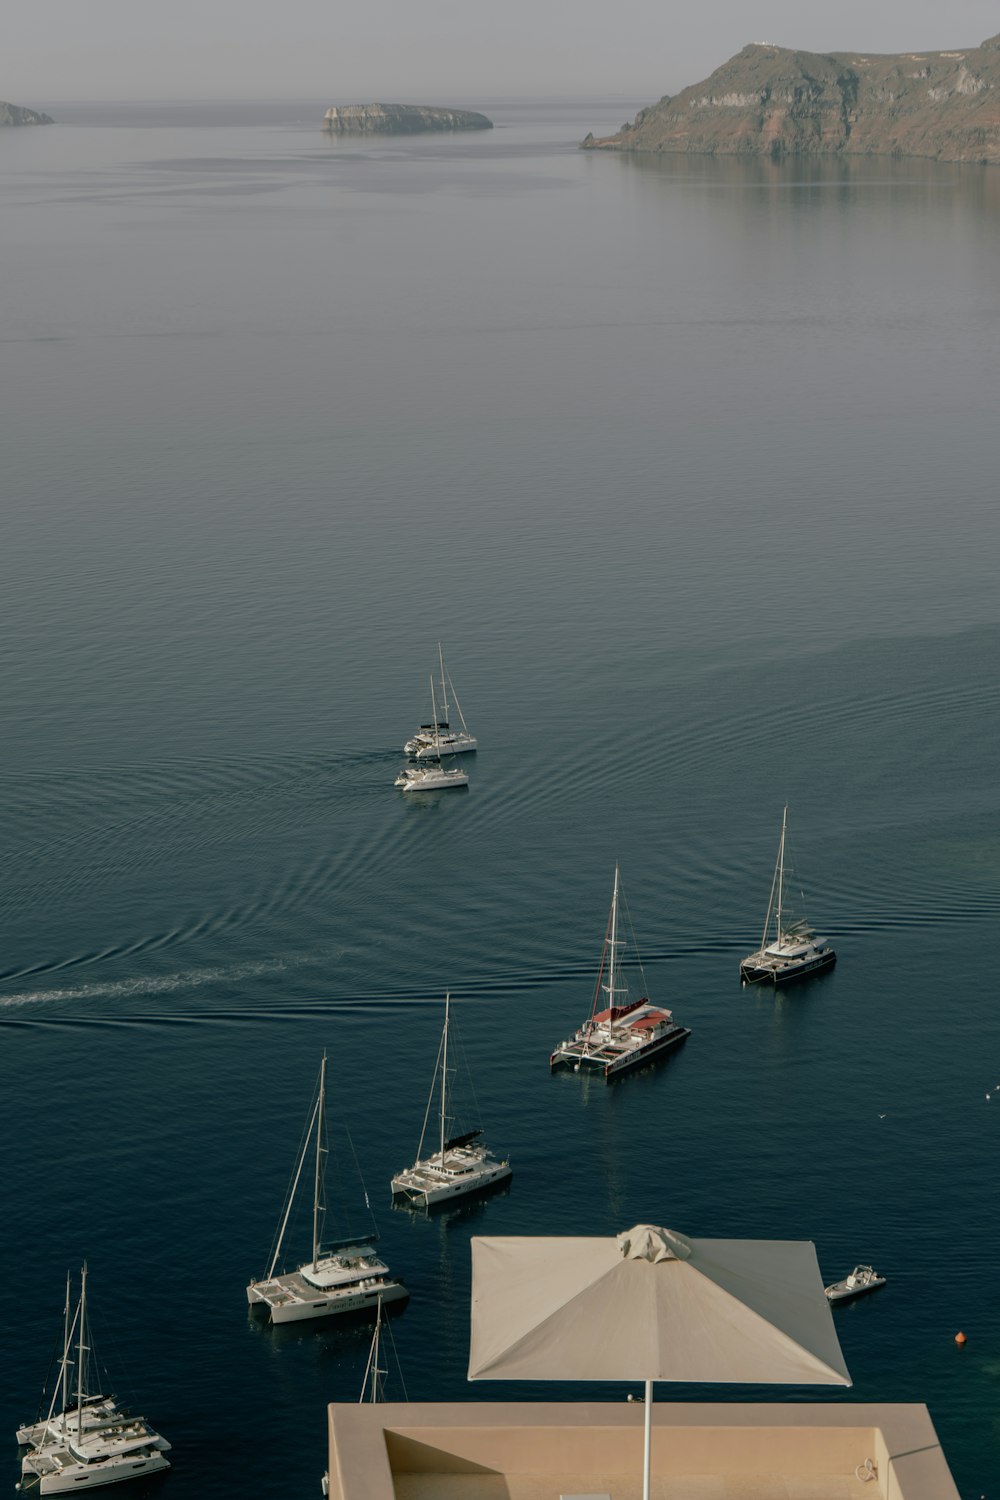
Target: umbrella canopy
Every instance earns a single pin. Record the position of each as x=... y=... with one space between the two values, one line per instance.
x=651 y=1305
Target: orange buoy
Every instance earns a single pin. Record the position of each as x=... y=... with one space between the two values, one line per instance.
x=960 y=1338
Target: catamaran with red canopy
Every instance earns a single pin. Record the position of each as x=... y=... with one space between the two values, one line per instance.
x=626 y=1033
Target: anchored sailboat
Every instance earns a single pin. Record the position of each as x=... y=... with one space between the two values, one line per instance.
x=795 y=950
x=90 y=1443
x=625 y=1032
x=462 y=1164
x=348 y=1276
x=439 y=737
x=433 y=775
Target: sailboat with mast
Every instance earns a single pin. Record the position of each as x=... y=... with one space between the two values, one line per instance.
x=432 y=775
x=91 y=1409
x=440 y=737
x=462 y=1164
x=795 y=950
x=624 y=1033
x=347 y=1276
x=373 y=1383
x=87 y=1445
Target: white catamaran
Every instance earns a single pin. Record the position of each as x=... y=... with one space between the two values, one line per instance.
x=439 y=737
x=90 y=1443
x=796 y=950
x=462 y=1164
x=348 y=1276
x=626 y=1032
x=432 y=775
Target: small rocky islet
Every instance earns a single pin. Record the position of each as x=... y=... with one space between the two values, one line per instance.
x=16 y=114
x=400 y=119
x=775 y=101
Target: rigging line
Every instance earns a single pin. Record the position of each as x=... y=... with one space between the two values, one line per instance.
x=276 y=1244
x=430 y=1098
x=103 y=1369
x=461 y=716
x=67 y=1347
x=467 y=1074
x=286 y=1201
x=361 y=1179
x=395 y=1355
x=635 y=944
x=57 y=1346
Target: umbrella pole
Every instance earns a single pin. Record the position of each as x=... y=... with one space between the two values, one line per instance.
x=647 y=1438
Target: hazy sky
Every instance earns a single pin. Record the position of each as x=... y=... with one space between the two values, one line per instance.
x=433 y=51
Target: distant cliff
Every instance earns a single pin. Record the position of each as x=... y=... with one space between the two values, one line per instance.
x=400 y=119
x=772 y=101
x=13 y=114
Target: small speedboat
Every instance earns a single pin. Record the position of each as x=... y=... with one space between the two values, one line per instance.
x=862 y=1279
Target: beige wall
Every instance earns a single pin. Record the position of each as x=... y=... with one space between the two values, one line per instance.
x=372 y=1446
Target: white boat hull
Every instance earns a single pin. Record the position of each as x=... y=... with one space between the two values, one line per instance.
x=79 y=1476
x=290 y=1300
x=429 y=1195
x=448 y=744
x=760 y=968
x=344 y=1302
x=430 y=781
x=855 y=1286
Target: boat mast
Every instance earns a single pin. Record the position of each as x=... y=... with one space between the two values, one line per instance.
x=81 y=1352
x=65 y=1358
x=444 y=1071
x=372 y=1371
x=613 y=945
x=781 y=866
x=318 y=1177
x=444 y=687
x=434 y=718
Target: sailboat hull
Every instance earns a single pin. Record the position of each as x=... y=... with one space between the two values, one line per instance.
x=759 y=970
x=290 y=1299
x=582 y=1054
x=447 y=744
x=432 y=1194
x=82 y=1476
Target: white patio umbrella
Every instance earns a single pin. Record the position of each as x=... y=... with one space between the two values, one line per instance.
x=649 y=1305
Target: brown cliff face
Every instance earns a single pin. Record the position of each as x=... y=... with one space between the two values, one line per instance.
x=768 y=100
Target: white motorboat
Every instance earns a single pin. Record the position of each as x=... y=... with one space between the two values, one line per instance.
x=795 y=950
x=861 y=1280
x=346 y=1277
x=462 y=1164
x=79 y=1448
x=626 y=1032
x=440 y=737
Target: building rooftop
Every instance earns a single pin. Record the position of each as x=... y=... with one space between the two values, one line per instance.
x=700 y=1451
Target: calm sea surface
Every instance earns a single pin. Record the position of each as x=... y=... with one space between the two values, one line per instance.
x=692 y=466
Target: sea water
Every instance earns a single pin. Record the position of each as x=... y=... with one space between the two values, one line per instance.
x=691 y=466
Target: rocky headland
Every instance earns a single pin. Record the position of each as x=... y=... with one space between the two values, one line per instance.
x=770 y=100
x=15 y=114
x=400 y=119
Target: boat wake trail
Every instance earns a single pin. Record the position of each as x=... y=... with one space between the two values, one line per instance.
x=162 y=984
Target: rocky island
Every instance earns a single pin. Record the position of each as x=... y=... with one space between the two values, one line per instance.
x=770 y=100
x=400 y=119
x=15 y=114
